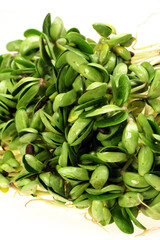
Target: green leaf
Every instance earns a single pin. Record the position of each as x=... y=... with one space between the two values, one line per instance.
x=47 y=24
x=31 y=164
x=25 y=99
x=135 y=221
x=124 y=89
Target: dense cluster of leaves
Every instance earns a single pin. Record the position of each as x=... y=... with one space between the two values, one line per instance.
x=80 y=121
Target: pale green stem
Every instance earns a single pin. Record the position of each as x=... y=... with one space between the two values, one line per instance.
x=128 y=163
x=138 y=88
x=139 y=96
x=60 y=47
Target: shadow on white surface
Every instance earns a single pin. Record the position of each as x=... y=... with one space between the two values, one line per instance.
x=39 y=220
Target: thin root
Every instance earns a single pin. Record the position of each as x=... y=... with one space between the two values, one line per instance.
x=40 y=199
x=147 y=206
x=17 y=191
x=53 y=202
x=143 y=23
x=93 y=221
x=147 y=231
x=70 y=205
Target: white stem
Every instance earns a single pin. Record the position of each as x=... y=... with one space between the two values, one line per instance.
x=147 y=54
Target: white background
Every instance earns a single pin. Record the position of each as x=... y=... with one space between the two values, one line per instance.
x=39 y=220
